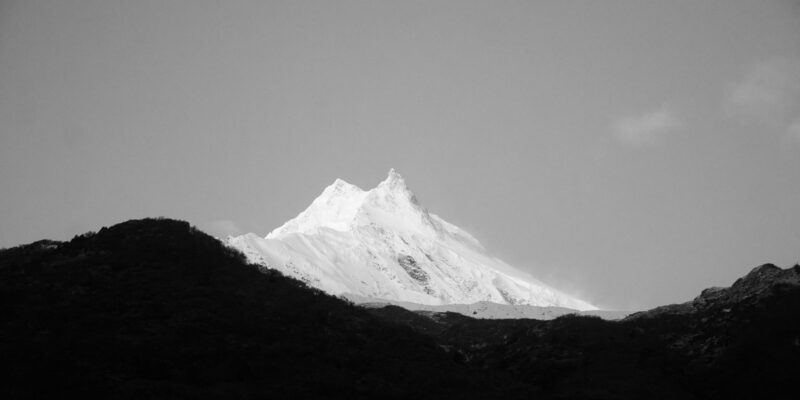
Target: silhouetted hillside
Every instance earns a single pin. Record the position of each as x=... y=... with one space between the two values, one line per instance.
x=738 y=342
x=156 y=309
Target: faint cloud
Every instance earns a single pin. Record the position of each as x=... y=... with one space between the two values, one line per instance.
x=645 y=129
x=769 y=94
x=223 y=228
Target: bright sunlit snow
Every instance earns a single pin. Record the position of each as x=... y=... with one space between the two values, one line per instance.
x=382 y=244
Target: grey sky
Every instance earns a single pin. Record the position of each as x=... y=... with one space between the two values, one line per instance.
x=629 y=152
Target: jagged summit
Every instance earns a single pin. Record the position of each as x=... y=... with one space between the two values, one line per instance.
x=395 y=185
x=343 y=206
x=382 y=244
x=334 y=209
x=394 y=182
x=340 y=186
x=394 y=179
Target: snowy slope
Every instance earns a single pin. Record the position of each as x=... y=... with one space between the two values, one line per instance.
x=382 y=244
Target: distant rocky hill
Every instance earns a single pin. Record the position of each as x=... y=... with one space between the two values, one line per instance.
x=157 y=309
x=758 y=285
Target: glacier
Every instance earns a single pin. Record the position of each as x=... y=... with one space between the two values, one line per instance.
x=382 y=244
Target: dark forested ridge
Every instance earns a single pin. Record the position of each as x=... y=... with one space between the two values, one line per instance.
x=156 y=309
x=741 y=342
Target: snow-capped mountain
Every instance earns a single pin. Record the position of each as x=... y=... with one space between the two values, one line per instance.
x=382 y=244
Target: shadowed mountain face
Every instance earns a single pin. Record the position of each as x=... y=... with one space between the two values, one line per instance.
x=157 y=309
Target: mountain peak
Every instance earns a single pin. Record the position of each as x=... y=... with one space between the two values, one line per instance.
x=340 y=182
x=395 y=186
x=340 y=188
x=394 y=181
x=382 y=243
x=394 y=175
